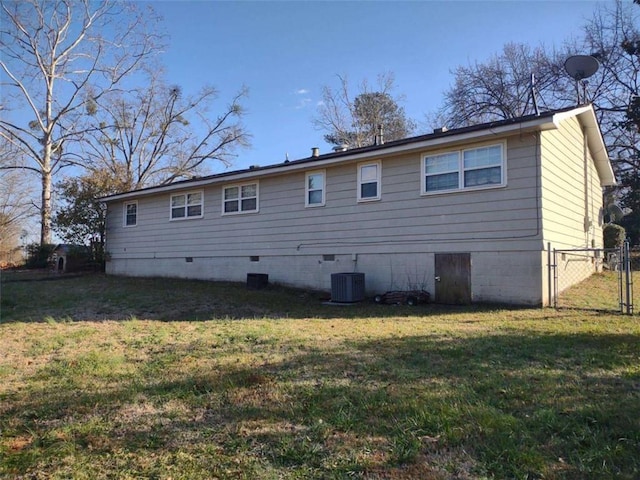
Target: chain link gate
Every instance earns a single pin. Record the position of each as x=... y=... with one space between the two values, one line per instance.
x=610 y=289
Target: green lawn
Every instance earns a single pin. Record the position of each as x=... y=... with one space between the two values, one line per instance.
x=104 y=377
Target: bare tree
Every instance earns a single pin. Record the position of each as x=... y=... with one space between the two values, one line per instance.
x=15 y=209
x=15 y=201
x=59 y=58
x=354 y=120
x=155 y=135
x=501 y=87
x=612 y=35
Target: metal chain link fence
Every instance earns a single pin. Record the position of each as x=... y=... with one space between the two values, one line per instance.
x=593 y=279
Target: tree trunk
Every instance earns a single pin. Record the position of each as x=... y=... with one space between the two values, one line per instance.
x=45 y=205
x=45 y=209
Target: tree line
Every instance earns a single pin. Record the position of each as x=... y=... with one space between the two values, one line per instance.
x=90 y=77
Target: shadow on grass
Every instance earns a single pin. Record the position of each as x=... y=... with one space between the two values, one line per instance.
x=508 y=406
x=100 y=298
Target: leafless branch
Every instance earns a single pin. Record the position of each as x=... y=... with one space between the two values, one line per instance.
x=62 y=55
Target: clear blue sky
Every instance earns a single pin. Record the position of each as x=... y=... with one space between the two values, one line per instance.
x=284 y=52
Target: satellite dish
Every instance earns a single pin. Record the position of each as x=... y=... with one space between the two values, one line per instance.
x=580 y=67
x=614 y=213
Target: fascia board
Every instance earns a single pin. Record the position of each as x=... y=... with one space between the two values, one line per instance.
x=193 y=184
x=560 y=117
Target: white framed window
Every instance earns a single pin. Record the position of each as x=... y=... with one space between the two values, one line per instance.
x=130 y=214
x=240 y=199
x=187 y=205
x=315 y=185
x=369 y=181
x=468 y=169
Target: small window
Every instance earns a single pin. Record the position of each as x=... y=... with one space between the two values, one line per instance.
x=369 y=181
x=328 y=258
x=464 y=169
x=254 y=258
x=315 y=188
x=186 y=205
x=131 y=214
x=240 y=199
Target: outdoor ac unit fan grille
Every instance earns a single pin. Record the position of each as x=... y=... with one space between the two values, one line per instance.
x=347 y=287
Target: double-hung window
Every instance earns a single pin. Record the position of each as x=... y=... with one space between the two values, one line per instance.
x=130 y=214
x=186 y=205
x=482 y=166
x=240 y=198
x=369 y=184
x=471 y=168
x=315 y=189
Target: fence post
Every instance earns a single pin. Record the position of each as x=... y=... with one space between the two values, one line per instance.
x=620 y=269
x=549 y=294
x=627 y=278
x=555 y=278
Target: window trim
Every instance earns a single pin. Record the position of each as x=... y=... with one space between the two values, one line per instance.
x=186 y=205
x=240 y=198
x=378 y=164
x=461 y=170
x=124 y=214
x=307 y=204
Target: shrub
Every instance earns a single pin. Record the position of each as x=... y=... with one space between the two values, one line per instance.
x=38 y=256
x=614 y=235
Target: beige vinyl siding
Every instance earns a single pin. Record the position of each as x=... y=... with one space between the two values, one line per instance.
x=571 y=203
x=402 y=220
x=596 y=204
x=571 y=190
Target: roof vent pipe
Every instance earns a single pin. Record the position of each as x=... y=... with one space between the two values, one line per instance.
x=315 y=152
x=379 y=139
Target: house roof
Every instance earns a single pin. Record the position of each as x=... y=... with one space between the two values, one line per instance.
x=544 y=121
x=67 y=248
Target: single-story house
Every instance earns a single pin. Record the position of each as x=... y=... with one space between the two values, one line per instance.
x=467 y=214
